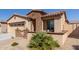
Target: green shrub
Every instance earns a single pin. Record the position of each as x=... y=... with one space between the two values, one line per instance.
x=14 y=44
x=41 y=41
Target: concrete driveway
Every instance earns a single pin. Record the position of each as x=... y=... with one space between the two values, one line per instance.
x=72 y=42
x=5 y=36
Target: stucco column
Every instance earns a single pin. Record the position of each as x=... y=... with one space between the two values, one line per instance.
x=39 y=24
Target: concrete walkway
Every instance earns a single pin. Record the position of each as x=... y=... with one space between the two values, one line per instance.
x=71 y=44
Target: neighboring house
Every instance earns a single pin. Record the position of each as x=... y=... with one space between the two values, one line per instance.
x=3 y=27
x=55 y=24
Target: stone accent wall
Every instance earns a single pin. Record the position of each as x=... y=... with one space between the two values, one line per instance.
x=38 y=20
x=21 y=33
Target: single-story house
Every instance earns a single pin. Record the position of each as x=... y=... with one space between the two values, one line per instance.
x=54 y=24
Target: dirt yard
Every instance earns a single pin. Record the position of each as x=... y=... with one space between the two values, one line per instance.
x=70 y=44
x=6 y=44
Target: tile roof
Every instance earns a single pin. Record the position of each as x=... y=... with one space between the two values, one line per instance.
x=53 y=13
x=36 y=10
x=18 y=16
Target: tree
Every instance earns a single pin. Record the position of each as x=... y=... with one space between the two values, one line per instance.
x=41 y=41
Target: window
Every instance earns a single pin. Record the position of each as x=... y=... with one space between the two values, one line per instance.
x=48 y=25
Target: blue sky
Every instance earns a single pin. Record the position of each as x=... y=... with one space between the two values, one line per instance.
x=72 y=14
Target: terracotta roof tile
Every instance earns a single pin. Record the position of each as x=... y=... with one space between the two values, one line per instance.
x=36 y=10
x=54 y=13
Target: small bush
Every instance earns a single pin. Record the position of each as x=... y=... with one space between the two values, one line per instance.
x=41 y=41
x=14 y=44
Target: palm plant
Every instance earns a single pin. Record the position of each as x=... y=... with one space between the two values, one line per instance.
x=41 y=41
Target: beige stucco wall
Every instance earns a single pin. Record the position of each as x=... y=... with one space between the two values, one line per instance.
x=73 y=26
x=57 y=26
x=3 y=27
x=70 y=27
x=11 y=29
x=59 y=38
x=64 y=25
x=59 y=23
